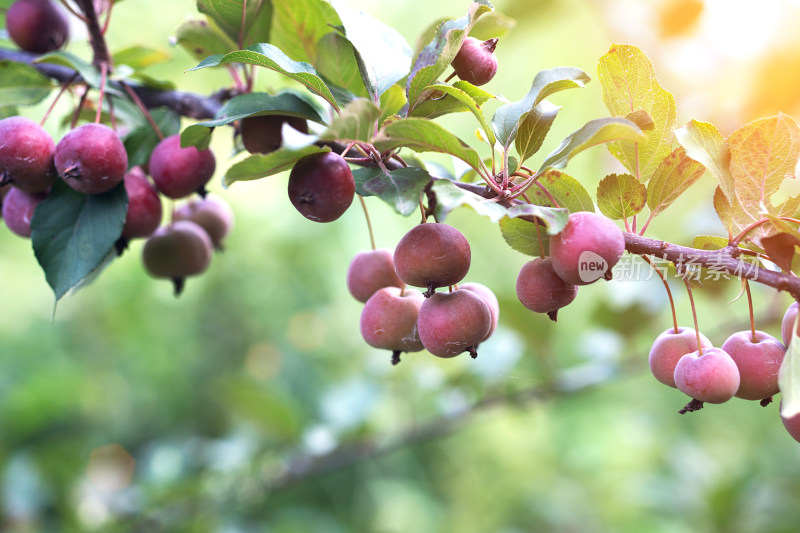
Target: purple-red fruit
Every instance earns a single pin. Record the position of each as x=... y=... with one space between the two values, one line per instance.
x=37 y=25
x=18 y=208
x=711 y=377
x=489 y=298
x=788 y=321
x=475 y=61
x=587 y=248
x=389 y=320
x=177 y=251
x=792 y=425
x=321 y=186
x=432 y=255
x=262 y=134
x=212 y=214
x=370 y=271
x=541 y=290
x=758 y=361
x=453 y=322
x=91 y=158
x=667 y=350
x=179 y=172
x=144 y=206
x=26 y=155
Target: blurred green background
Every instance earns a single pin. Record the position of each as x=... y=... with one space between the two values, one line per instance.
x=251 y=403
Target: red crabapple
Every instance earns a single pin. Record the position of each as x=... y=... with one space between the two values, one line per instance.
x=18 y=208
x=758 y=363
x=788 y=321
x=144 y=206
x=212 y=214
x=262 y=134
x=321 y=186
x=475 y=61
x=432 y=255
x=587 y=248
x=177 y=251
x=389 y=321
x=710 y=377
x=179 y=172
x=792 y=425
x=37 y=25
x=369 y=271
x=489 y=298
x=453 y=322
x=26 y=155
x=541 y=290
x=667 y=350
x=91 y=158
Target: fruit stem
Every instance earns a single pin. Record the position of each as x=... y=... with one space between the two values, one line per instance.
x=694 y=313
x=72 y=10
x=102 y=91
x=78 y=109
x=450 y=77
x=64 y=88
x=750 y=307
x=736 y=240
x=663 y=278
x=108 y=18
x=143 y=108
x=646 y=223
x=369 y=222
x=402 y=289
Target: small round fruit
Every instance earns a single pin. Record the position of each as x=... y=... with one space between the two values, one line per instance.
x=475 y=61
x=321 y=186
x=37 y=25
x=453 y=322
x=91 y=158
x=144 y=206
x=177 y=251
x=262 y=134
x=489 y=298
x=179 y=172
x=788 y=321
x=370 y=271
x=587 y=248
x=18 y=208
x=758 y=363
x=667 y=350
x=792 y=425
x=389 y=320
x=212 y=214
x=26 y=155
x=432 y=255
x=711 y=377
x=541 y=290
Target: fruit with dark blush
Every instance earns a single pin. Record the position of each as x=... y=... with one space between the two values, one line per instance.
x=321 y=186
x=667 y=350
x=587 y=248
x=370 y=271
x=710 y=377
x=37 y=25
x=541 y=290
x=475 y=61
x=792 y=425
x=212 y=214
x=788 y=321
x=389 y=320
x=177 y=251
x=26 y=155
x=758 y=361
x=432 y=255
x=179 y=172
x=262 y=134
x=18 y=208
x=144 y=206
x=91 y=158
x=451 y=323
x=489 y=298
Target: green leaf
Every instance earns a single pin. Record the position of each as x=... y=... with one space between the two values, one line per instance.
x=630 y=85
x=620 y=196
x=73 y=233
x=709 y=242
x=554 y=218
x=384 y=55
x=423 y=135
x=789 y=378
x=227 y=14
x=268 y=56
x=392 y=101
x=566 y=190
x=287 y=103
x=336 y=63
x=449 y=197
x=87 y=71
x=459 y=100
x=399 y=188
x=521 y=235
x=202 y=39
x=140 y=56
x=594 y=132
x=139 y=143
x=262 y=165
x=437 y=55
x=506 y=119
x=676 y=173
x=21 y=84
x=533 y=128
x=704 y=143
x=357 y=122
x=298 y=27
x=492 y=25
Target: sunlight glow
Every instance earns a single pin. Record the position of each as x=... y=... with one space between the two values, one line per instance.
x=741 y=28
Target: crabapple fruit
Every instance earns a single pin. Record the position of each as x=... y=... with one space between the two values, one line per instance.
x=432 y=255
x=212 y=214
x=177 y=251
x=18 y=208
x=475 y=61
x=26 y=155
x=453 y=322
x=37 y=25
x=758 y=361
x=710 y=376
x=489 y=298
x=262 y=134
x=321 y=186
x=587 y=248
x=389 y=320
x=91 y=158
x=788 y=321
x=370 y=271
x=667 y=350
x=541 y=290
x=792 y=425
x=144 y=206
x=178 y=172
